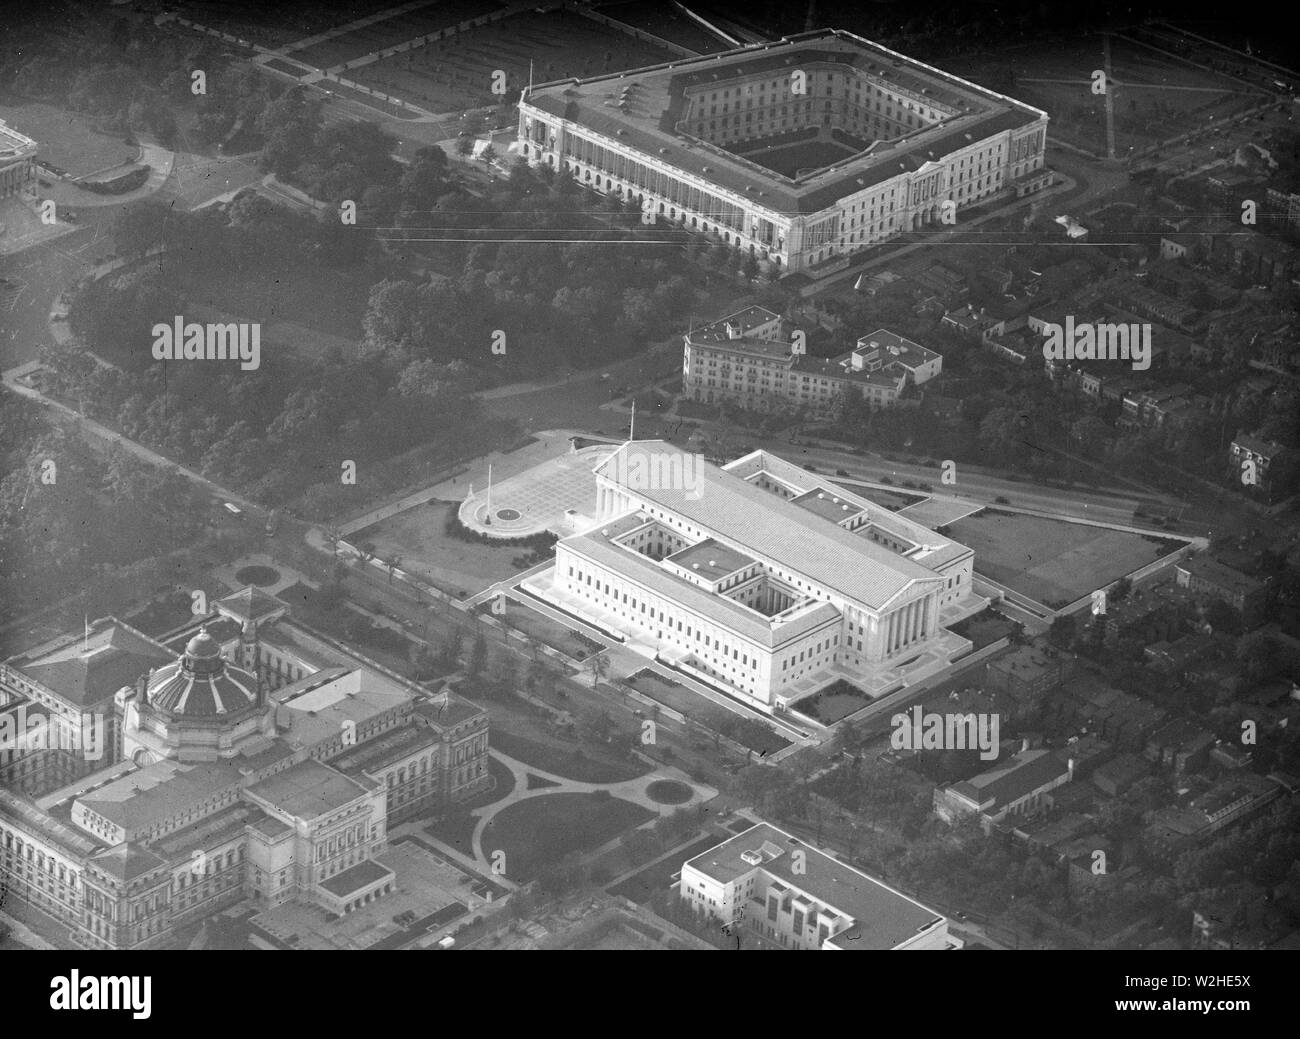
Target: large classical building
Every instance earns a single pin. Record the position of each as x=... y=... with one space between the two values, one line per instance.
x=750 y=358
x=759 y=577
x=17 y=168
x=251 y=759
x=800 y=152
x=794 y=896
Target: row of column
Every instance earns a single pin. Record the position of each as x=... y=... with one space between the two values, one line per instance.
x=907 y=624
x=611 y=503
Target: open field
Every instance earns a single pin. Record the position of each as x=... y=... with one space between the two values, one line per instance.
x=1054 y=562
x=542 y=831
x=456 y=72
x=308 y=296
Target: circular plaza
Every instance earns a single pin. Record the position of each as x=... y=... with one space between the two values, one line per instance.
x=542 y=498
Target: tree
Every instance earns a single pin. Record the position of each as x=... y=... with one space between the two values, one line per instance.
x=1120 y=589
x=449 y=654
x=1259 y=655
x=599 y=667
x=1063 y=631
x=1223 y=618
x=478 y=656
x=464 y=147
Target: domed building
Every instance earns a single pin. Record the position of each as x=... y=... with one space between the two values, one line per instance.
x=200 y=707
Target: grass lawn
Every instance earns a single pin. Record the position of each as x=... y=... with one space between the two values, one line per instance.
x=456 y=827
x=658 y=876
x=1054 y=562
x=457 y=567
x=833 y=703
x=546 y=631
x=315 y=297
x=67 y=139
x=566 y=759
x=694 y=409
x=984 y=628
x=544 y=830
x=892 y=500
x=704 y=711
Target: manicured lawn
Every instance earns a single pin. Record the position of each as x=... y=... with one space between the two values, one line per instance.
x=262 y=576
x=544 y=630
x=668 y=792
x=567 y=760
x=984 y=628
x=544 y=830
x=706 y=712
x=419 y=536
x=456 y=828
x=833 y=703
x=657 y=877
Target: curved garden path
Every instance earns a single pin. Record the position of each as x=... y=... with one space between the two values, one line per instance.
x=633 y=790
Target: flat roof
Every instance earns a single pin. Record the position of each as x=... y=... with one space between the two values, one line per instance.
x=895 y=348
x=308 y=789
x=363 y=874
x=653 y=101
x=883 y=918
x=139 y=799
x=827 y=504
x=744 y=321
x=711 y=559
